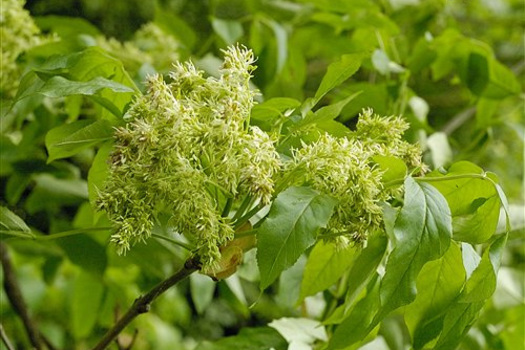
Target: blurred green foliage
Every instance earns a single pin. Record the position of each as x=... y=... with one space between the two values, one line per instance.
x=454 y=70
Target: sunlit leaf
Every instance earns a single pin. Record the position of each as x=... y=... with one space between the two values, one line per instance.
x=338 y=72
x=292 y=225
x=325 y=265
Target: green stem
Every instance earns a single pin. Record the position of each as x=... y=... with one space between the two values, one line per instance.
x=70 y=233
x=341 y=288
x=217 y=186
x=227 y=207
x=245 y=203
x=171 y=240
x=441 y=178
x=247 y=216
x=56 y=235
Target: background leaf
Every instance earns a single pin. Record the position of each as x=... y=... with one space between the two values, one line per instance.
x=229 y=31
x=438 y=284
x=261 y=338
x=86 y=300
x=202 y=288
x=69 y=139
x=325 y=265
x=12 y=224
x=479 y=287
x=474 y=202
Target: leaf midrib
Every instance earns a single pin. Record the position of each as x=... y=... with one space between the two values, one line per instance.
x=288 y=237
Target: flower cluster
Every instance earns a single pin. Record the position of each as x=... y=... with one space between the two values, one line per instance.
x=344 y=169
x=150 y=44
x=384 y=136
x=18 y=33
x=186 y=148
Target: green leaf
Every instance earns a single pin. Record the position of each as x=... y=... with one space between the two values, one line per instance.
x=332 y=111
x=362 y=271
x=290 y=284
x=299 y=331
x=422 y=230
x=360 y=319
x=202 y=288
x=59 y=87
x=69 y=139
x=338 y=72
x=176 y=26
x=92 y=72
x=281 y=43
x=99 y=171
x=488 y=78
x=479 y=287
x=229 y=31
x=85 y=252
x=274 y=107
x=440 y=150
x=266 y=114
x=88 y=291
x=50 y=193
x=15 y=187
x=12 y=224
x=152 y=258
x=50 y=269
x=69 y=27
x=438 y=284
x=325 y=265
x=365 y=265
x=262 y=338
x=324 y=114
x=291 y=227
x=383 y=64
x=393 y=168
x=334 y=128
x=474 y=202
x=486 y=109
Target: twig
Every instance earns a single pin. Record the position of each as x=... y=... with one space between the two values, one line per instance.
x=14 y=294
x=458 y=120
x=142 y=304
x=5 y=339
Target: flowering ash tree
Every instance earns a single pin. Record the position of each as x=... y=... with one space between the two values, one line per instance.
x=196 y=156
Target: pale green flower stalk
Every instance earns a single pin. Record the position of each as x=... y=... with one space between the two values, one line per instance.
x=344 y=168
x=185 y=149
x=150 y=44
x=18 y=33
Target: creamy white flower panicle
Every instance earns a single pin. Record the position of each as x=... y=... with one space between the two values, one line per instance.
x=344 y=168
x=341 y=168
x=384 y=136
x=184 y=141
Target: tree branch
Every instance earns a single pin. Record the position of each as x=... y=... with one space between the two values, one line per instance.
x=14 y=294
x=142 y=304
x=458 y=120
x=5 y=339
